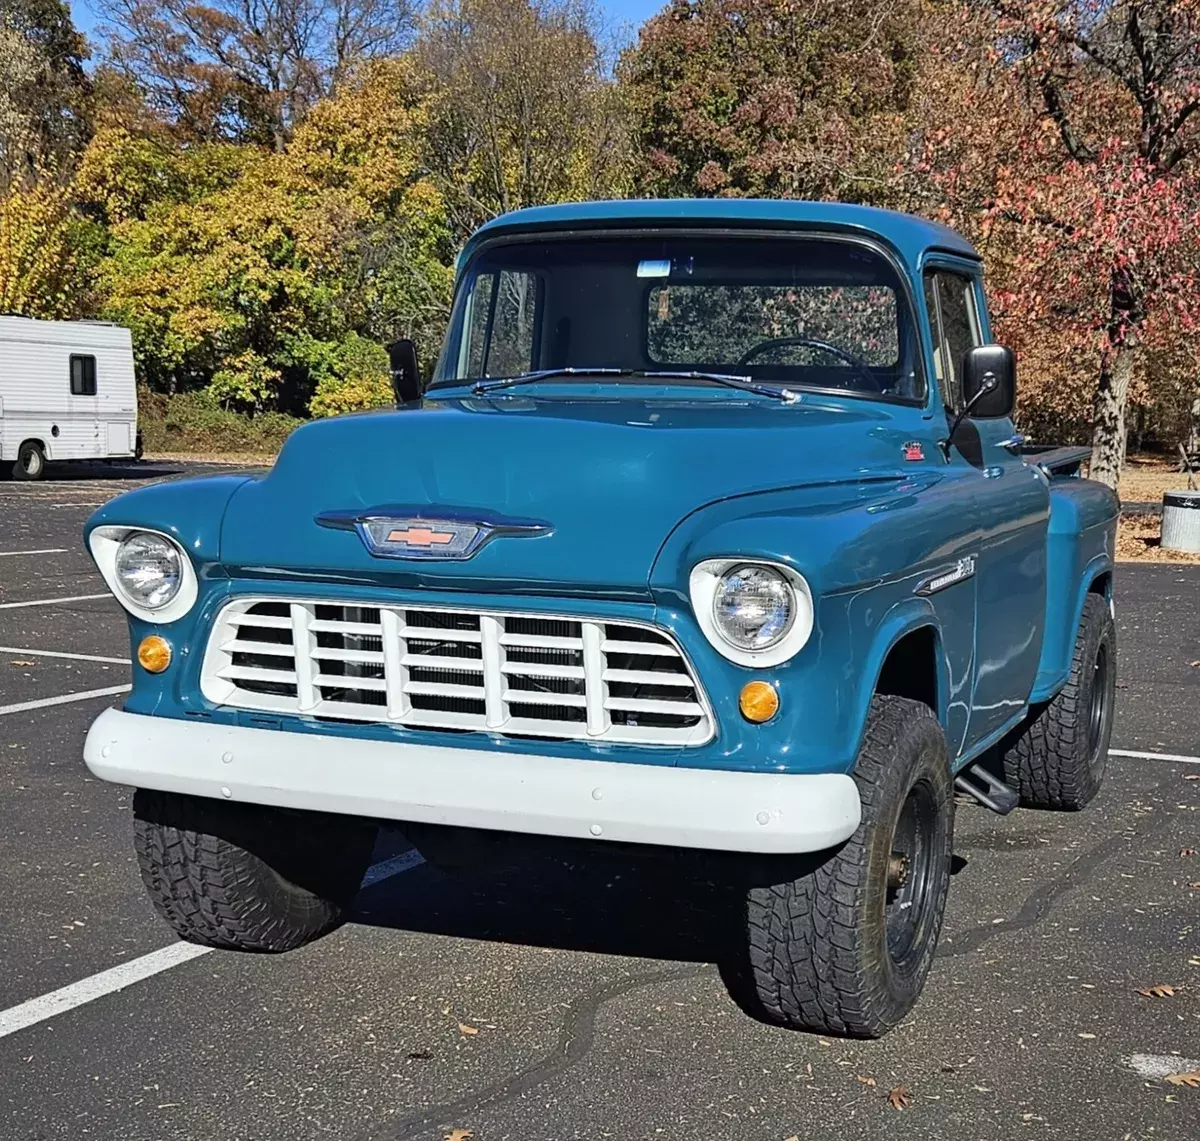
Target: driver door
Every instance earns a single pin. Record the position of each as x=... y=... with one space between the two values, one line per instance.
x=1011 y=507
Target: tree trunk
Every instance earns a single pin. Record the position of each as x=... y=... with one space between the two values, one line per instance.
x=1108 y=419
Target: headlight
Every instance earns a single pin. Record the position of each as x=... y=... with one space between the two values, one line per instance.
x=753 y=607
x=149 y=570
x=755 y=613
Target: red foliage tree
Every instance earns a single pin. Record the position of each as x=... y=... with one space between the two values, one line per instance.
x=1064 y=137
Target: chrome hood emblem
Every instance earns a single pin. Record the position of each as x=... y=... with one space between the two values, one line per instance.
x=429 y=532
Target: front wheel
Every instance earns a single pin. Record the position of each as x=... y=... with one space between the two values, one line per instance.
x=31 y=461
x=244 y=877
x=844 y=946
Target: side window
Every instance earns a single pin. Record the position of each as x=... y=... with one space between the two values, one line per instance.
x=950 y=298
x=500 y=324
x=83 y=376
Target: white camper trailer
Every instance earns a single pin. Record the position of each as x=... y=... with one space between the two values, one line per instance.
x=66 y=393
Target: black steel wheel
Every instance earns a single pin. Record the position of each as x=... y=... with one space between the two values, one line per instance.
x=1058 y=757
x=842 y=942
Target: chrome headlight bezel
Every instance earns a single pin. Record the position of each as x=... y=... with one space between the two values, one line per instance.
x=105 y=543
x=703 y=584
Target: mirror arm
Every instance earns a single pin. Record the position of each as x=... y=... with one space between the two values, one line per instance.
x=988 y=385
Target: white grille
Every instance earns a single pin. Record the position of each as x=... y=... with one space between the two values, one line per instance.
x=528 y=675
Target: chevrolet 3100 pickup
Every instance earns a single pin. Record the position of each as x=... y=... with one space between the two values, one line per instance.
x=711 y=530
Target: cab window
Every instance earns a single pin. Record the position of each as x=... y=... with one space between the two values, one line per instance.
x=955 y=327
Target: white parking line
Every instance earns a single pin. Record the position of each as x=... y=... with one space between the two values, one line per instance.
x=64 y=699
x=1179 y=758
x=52 y=601
x=47 y=551
x=1158 y=1066
x=60 y=654
x=146 y=966
x=97 y=986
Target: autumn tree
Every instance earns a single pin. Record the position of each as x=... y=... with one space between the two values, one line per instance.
x=773 y=98
x=43 y=90
x=270 y=279
x=1063 y=137
x=232 y=71
x=521 y=109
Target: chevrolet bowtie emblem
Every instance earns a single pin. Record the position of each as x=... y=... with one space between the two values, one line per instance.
x=421 y=537
x=429 y=533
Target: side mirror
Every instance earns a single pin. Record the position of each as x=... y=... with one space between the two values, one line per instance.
x=406 y=373
x=989 y=382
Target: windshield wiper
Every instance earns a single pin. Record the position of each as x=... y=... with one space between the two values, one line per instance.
x=481 y=386
x=742 y=383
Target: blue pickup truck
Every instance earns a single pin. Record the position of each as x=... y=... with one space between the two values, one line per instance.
x=711 y=530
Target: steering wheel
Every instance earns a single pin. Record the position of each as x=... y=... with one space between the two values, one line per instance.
x=860 y=367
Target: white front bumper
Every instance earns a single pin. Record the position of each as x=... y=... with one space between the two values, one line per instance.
x=513 y=792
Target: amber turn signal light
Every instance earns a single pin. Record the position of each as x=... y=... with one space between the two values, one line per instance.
x=759 y=702
x=154 y=654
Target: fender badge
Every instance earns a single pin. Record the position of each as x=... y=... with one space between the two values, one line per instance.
x=913 y=451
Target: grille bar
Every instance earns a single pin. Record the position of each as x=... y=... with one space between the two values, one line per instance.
x=549 y=676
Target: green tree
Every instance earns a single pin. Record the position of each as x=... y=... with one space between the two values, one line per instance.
x=254 y=272
x=772 y=98
x=522 y=111
x=43 y=90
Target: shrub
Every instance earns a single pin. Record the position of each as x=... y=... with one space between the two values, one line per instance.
x=355 y=375
x=195 y=422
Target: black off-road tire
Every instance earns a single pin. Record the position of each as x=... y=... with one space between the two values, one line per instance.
x=31 y=461
x=1057 y=758
x=247 y=878
x=818 y=951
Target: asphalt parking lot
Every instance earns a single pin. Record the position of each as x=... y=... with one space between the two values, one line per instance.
x=576 y=1001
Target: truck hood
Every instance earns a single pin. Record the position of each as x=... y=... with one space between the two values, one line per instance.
x=609 y=478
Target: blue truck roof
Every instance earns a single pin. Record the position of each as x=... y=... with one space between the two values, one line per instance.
x=910 y=235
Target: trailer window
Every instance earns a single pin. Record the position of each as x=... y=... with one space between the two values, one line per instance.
x=83 y=376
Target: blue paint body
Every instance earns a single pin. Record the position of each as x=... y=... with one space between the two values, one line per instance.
x=639 y=484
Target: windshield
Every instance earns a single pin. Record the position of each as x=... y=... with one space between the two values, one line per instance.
x=799 y=313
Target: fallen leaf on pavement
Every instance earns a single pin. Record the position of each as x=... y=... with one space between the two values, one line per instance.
x=21 y=662
x=467 y=1031
x=1191 y=776
x=1187 y=851
x=865 y=1080
x=899 y=1098
x=421 y=1055
x=1191 y=1079
x=793 y=1137
x=459 y=1135
x=1160 y=990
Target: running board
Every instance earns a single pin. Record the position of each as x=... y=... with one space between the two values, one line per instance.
x=994 y=794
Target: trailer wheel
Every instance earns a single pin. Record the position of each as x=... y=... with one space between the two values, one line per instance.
x=841 y=943
x=244 y=877
x=1057 y=758
x=31 y=461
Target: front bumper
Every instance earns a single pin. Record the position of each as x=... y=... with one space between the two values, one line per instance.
x=478 y=788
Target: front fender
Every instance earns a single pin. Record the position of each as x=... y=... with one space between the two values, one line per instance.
x=863 y=548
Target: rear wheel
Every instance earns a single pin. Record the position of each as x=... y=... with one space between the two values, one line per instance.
x=31 y=461
x=843 y=944
x=1057 y=758
x=244 y=877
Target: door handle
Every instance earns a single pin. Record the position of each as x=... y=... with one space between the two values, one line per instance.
x=1014 y=443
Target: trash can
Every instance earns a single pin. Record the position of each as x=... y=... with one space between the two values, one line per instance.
x=1181 y=521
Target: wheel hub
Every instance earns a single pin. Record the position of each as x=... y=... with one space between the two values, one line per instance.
x=898 y=867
